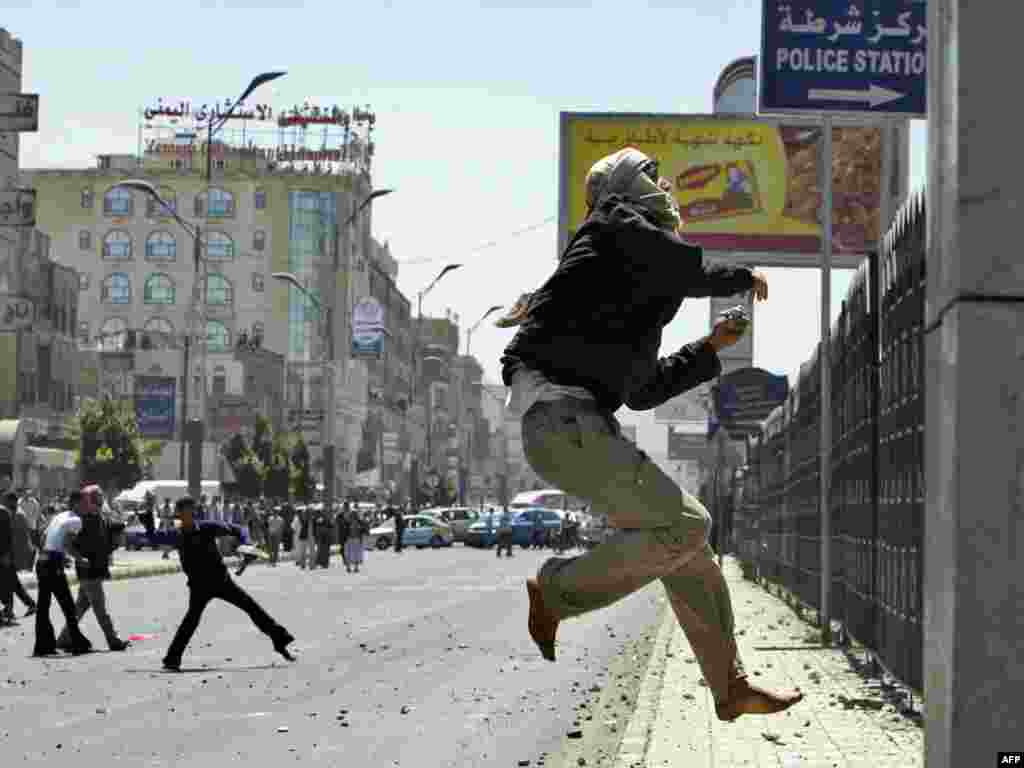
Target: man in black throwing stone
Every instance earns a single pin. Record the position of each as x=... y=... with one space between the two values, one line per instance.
x=208 y=578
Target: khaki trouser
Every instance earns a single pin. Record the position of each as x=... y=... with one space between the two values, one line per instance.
x=661 y=532
x=91 y=595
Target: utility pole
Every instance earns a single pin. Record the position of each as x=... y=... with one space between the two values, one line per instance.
x=182 y=474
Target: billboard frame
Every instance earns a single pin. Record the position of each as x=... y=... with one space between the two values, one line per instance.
x=751 y=258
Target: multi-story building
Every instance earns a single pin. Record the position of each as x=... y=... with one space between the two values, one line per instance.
x=507 y=466
x=257 y=216
x=391 y=431
x=38 y=316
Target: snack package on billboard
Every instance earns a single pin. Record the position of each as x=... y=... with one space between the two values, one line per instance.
x=718 y=190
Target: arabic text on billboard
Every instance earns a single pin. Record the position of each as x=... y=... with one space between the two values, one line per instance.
x=154 y=405
x=368 y=329
x=742 y=184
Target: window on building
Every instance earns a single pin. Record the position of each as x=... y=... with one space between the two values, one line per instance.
x=161 y=246
x=257 y=282
x=218 y=290
x=117 y=245
x=116 y=288
x=158 y=289
x=113 y=333
x=257 y=330
x=87 y=198
x=260 y=199
x=160 y=330
x=219 y=165
x=85 y=240
x=83 y=281
x=117 y=201
x=155 y=209
x=219 y=247
x=259 y=240
x=221 y=204
x=218 y=338
x=220 y=380
x=83 y=332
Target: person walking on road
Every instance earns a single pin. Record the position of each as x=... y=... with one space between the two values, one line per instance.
x=208 y=579
x=355 y=530
x=323 y=533
x=504 y=535
x=23 y=556
x=166 y=524
x=59 y=540
x=587 y=344
x=275 y=532
x=302 y=525
x=399 y=530
x=96 y=542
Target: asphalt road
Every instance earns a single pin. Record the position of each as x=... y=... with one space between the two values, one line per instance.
x=421 y=660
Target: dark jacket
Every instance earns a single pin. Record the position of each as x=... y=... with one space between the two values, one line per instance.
x=200 y=557
x=597 y=321
x=22 y=549
x=6 y=535
x=96 y=541
x=343 y=527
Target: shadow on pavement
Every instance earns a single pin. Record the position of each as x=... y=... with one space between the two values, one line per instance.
x=202 y=670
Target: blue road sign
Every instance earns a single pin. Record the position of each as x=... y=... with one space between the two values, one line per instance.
x=865 y=56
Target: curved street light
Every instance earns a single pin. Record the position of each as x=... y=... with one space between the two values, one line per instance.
x=472 y=328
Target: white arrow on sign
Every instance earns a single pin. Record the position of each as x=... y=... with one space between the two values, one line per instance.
x=876 y=95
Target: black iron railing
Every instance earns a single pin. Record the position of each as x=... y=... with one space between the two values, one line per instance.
x=877 y=467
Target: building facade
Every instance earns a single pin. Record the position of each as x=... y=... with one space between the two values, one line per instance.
x=38 y=316
x=138 y=277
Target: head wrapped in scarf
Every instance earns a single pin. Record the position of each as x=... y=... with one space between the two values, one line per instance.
x=623 y=173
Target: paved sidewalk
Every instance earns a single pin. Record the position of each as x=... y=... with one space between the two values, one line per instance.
x=847 y=718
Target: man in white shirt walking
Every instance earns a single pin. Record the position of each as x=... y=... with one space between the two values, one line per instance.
x=58 y=542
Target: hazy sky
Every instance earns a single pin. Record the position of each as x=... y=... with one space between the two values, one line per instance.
x=467 y=97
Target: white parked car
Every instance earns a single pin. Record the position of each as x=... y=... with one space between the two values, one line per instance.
x=420 y=531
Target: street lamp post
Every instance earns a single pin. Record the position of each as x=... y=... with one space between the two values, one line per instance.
x=215 y=123
x=189 y=435
x=326 y=440
x=195 y=434
x=414 y=463
x=329 y=445
x=469 y=441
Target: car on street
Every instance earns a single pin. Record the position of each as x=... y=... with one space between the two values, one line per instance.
x=458 y=518
x=483 y=533
x=420 y=531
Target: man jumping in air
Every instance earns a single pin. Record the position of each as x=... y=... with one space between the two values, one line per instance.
x=588 y=343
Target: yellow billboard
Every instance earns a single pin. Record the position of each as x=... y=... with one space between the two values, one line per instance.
x=746 y=185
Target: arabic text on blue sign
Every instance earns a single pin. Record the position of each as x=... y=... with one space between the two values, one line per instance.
x=844 y=56
x=154 y=405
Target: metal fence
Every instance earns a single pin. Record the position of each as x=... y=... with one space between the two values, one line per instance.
x=877 y=468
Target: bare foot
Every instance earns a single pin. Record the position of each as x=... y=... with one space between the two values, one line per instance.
x=542 y=626
x=747 y=699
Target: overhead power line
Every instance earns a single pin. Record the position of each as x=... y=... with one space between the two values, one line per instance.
x=487 y=245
